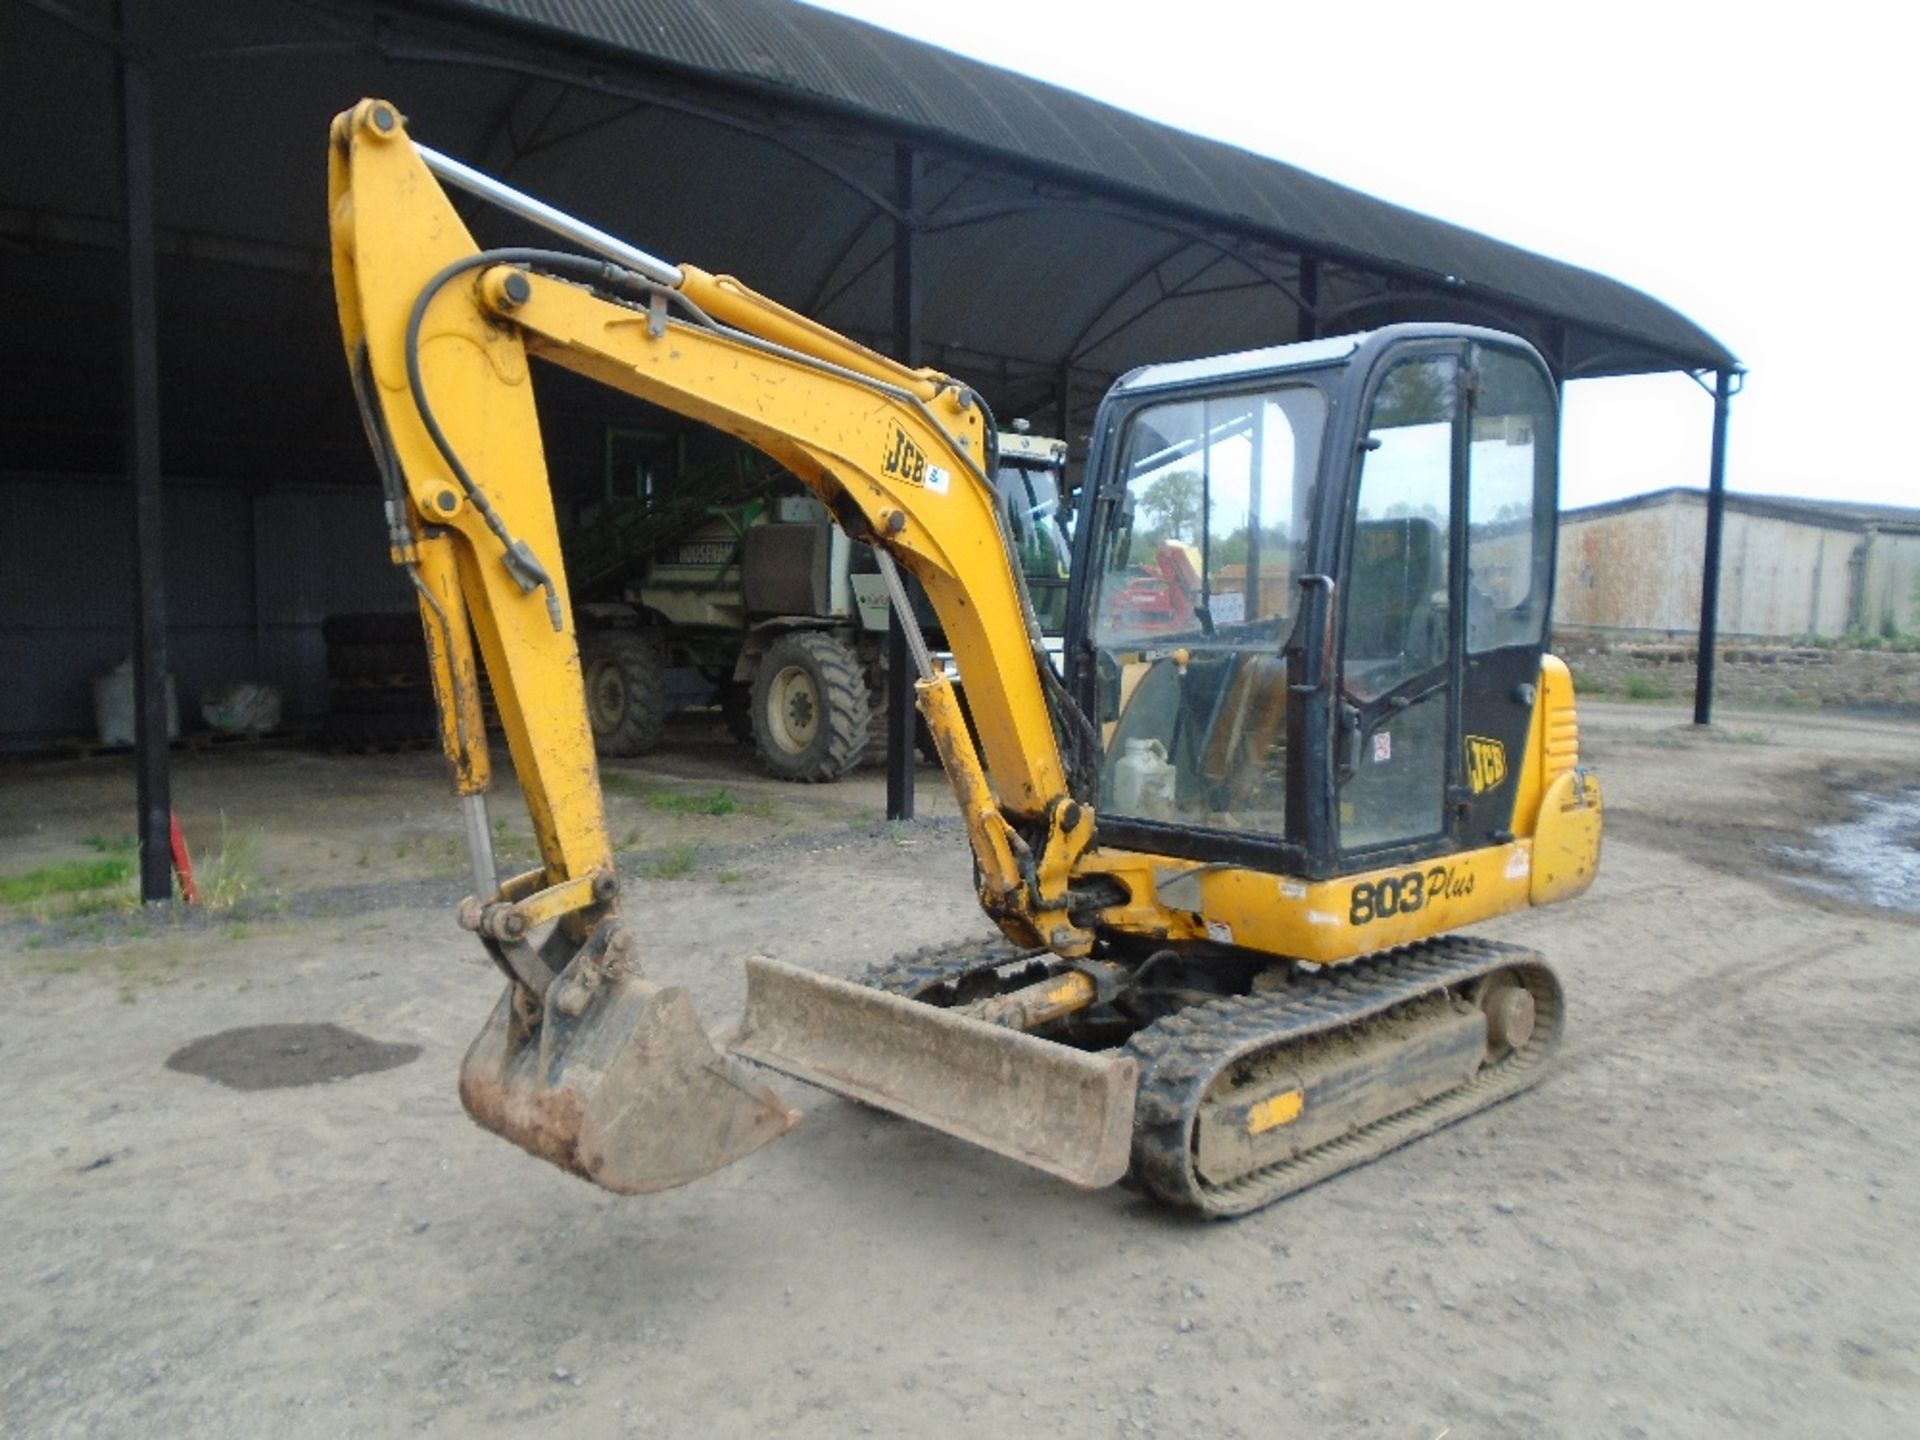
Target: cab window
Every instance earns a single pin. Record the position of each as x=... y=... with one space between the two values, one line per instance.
x=1196 y=598
x=1510 y=467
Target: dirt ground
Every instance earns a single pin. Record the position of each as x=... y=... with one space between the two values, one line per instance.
x=1706 y=1222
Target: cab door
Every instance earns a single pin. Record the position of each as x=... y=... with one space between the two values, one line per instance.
x=1396 y=713
x=1512 y=496
x=1448 y=587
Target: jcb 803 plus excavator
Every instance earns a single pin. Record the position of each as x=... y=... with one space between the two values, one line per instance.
x=1227 y=850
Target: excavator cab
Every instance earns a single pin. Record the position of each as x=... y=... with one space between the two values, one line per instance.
x=1341 y=667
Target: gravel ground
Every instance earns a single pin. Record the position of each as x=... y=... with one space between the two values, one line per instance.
x=1702 y=1224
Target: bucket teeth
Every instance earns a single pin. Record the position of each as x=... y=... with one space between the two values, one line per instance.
x=628 y=1093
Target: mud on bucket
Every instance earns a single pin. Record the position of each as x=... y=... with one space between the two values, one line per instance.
x=629 y=1093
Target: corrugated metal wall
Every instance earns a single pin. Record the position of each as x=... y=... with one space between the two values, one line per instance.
x=1637 y=568
x=249 y=578
x=1630 y=569
x=1891 y=584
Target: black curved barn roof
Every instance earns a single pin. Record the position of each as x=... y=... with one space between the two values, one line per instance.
x=815 y=59
x=1062 y=242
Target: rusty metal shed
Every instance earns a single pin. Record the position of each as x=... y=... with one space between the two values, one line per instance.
x=1054 y=242
x=1792 y=568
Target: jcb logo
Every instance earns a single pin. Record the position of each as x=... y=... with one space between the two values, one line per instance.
x=1486 y=763
x=904 y=458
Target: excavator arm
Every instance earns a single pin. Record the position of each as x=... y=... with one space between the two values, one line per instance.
x=584 y=1062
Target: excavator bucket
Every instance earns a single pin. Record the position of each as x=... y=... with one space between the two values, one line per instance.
x=1061 y=1110
x=628 y=1093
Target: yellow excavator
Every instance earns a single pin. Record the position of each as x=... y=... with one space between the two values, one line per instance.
x=1307 y=727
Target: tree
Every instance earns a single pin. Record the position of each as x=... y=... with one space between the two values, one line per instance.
x=1171 y=506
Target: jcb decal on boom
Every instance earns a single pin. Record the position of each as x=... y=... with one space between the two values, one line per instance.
x=904 y=458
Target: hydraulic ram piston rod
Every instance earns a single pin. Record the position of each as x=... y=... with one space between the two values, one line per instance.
x=589 y=237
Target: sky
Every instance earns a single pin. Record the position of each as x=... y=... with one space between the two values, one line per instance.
x=1750 y=165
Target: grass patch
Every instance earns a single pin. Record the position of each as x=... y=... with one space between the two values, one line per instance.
x=1889 y=639
x=231 y=873
x=672 y=802
x=110 y=902
x=1751 y=737
x=673 y=863
x=730 y=877
x=1647 y=687
x=66 y=877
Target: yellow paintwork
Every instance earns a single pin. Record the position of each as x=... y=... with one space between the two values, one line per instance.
x=392 y=230
x=1566 y=850
x=725 y=299
x=1553 y=742
x=896 y=454
x=836 y=435
x=1278 y=1110
x=892 y=451
x=992 y=839
x=1555 y=853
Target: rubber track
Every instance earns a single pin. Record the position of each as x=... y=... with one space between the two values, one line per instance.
x=926 y=969
x=1182 y=1054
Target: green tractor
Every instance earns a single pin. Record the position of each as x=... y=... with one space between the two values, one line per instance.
x=723 y=583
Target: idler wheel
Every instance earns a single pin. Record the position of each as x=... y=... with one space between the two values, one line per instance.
x=1510 y=1014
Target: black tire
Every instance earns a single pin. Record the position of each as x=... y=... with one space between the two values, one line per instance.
x=625 y=675
x=810 y=715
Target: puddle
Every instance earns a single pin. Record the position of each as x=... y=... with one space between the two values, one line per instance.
x=1873 y=858
x=277 y=1057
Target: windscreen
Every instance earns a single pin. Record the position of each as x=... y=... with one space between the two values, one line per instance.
x=1213 y=519
x=1198 y=585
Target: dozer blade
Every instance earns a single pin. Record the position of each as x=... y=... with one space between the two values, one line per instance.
x=629 y=1093
x=1061 y=1110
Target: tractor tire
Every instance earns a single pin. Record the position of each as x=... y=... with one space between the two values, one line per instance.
x=625 y=676
x=810 y=715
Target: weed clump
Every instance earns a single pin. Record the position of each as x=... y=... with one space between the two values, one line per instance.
x=673 y=863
